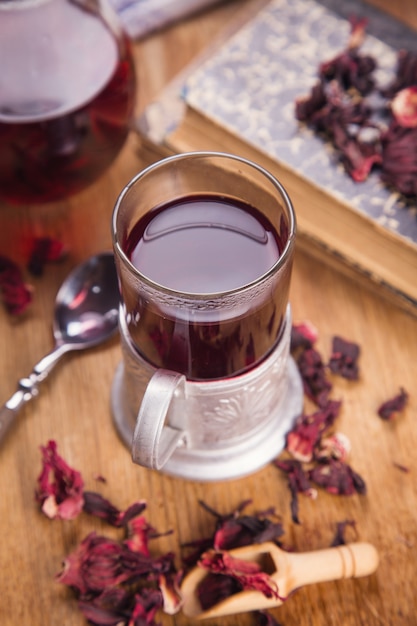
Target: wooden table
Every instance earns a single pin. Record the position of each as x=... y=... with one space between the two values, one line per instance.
x=73 y=409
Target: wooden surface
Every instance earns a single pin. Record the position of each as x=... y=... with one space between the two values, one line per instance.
x=73 y=409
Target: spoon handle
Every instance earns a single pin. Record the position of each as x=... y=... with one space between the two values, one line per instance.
x=28 y=388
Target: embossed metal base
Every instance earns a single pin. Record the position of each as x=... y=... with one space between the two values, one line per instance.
x=232 y=427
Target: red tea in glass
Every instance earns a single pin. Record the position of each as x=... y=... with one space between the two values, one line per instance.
x=67 y=91
x=204 y=245
x=204 y=264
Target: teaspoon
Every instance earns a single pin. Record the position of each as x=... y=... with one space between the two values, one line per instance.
x=86 y=314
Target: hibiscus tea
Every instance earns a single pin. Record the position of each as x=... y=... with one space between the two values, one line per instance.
x=195 y=248
x=60 y=132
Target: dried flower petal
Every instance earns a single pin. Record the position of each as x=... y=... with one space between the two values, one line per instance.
x=305 y=436
x=109 y=608
x=339 y=538
x=405 y=75
x=399 y=159
x=99 y=563
x=337 y=478
x=44 y=250
x=60 y=488
x=215 y=588
x=313 y=373
x=147 y=604
x=391 y=408
x=248 y=574
x=303 y=335
x=298 y=482
x=170 y=589
x=139 y=532
x=336 y=446
x=344 y=358
x=234 y=530
x=16 y=295
x=404 y=107
x=95 y=504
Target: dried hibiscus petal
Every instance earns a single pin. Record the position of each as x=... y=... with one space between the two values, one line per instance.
x=247 y=574
x=392 y=407
x=95 y=504
x=305 y=436
x=404 y=107
x=406 y=73
x=303 y=335
x=15 y=293
x=215 y=588
x=344 y=358
x=109 y=608
x=147 y=603
x=350 y=68
x=169 y=586
x=298 y=482
x=234 y=530
x=339 y=538
x=44 y=250
x=313 y=373
x=60 y=488
x=336 y=446
x=337 y=478
x=99 y=562
x=399 y=158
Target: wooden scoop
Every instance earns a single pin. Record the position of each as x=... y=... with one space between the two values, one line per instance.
x=289 y=570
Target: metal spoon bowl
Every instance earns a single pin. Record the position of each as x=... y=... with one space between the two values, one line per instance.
x=86 y=314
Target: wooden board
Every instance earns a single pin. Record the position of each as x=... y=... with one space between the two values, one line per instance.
x=73 y=408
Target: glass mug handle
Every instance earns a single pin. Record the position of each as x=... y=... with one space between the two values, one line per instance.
x=154 y=439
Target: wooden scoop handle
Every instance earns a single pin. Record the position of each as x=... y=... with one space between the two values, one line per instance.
x=292 y=570
x=347 y=561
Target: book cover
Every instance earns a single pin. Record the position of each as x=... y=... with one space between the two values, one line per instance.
x=242 y=97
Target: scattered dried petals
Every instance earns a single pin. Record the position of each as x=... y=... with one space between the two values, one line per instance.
x=95 y=504
x=60 y=488
x=401 y=467
x=234 y=530
x=336 y=446
x=337 y=478
x=303 y=335
x=313 y=373
x=215 y=588
x=169 y=585
x=390 y=409
x=352 y=112
x=344 y=358
x=404 y=107
x=16 y=295
x=298 y=482
x=305 y=436
x=399 y=159
x=339 y=538
x=44 y=250
x=247 y=574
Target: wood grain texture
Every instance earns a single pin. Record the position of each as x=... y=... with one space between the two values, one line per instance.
x=73 y=408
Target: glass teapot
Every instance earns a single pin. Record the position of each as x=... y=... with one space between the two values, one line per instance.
x=67 y=91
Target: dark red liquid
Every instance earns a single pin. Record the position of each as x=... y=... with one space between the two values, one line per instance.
x=49 y=160
x=206 y=245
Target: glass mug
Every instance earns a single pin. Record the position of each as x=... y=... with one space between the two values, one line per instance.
x=204 y=246
x=67 y=94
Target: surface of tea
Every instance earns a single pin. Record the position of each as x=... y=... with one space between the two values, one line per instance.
x=205 y=245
